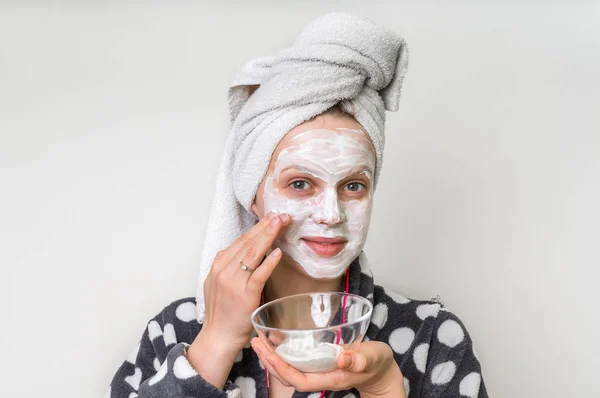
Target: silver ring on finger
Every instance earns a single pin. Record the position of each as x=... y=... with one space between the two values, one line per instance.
x=246 y=268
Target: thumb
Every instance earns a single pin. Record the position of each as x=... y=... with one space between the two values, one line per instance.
x=353 y=361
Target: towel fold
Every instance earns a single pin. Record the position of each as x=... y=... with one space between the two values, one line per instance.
x=338 y=58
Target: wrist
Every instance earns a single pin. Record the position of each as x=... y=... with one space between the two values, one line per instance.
x=213 y=345
x=390 y=384
x=212 y=357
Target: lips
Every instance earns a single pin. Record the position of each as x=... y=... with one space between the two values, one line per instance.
x=325 y=247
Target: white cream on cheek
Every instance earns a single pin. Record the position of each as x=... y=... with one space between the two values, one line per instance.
x=330 y=156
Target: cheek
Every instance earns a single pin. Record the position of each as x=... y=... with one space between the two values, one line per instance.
x=358 y=214
x=271 y=199
x=297 y=209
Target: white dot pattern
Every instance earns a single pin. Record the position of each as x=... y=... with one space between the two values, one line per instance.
x=135 y=379
x=396 y=297
x=406 y=386
x=420 y=357
x=426 y=310
x=401 y=339
x=186 y=312
x=443 y=373
x=450 y=333
x=247 y=386
x=182 y=368
x=154 y=330
x=162 y=371
x=469 y=385
x=169 y=335
x=234 y=393
x=380 y=315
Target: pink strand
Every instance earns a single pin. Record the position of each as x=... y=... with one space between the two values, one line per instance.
x=262 y=301
x=338 y=333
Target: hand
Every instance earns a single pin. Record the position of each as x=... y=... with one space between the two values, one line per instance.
x=231 y=294
x=371 y=369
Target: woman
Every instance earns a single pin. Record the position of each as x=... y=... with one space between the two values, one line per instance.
x=291 y=215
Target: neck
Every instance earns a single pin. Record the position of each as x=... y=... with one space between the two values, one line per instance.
x=288 y=279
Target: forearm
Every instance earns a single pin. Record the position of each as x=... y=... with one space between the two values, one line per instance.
x=211 y=358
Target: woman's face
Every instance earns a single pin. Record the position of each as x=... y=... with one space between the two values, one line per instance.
x=321 y=174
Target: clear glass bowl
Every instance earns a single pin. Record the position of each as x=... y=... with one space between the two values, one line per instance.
x=310 y=330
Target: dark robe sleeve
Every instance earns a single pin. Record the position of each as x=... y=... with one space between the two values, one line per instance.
x=158 y=366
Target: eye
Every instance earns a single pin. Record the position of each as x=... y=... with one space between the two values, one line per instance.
x=355 y=187
x=300 y=185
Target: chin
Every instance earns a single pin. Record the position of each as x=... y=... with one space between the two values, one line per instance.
x=321 y=270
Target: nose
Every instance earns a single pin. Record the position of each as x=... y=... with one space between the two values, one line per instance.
x=329 y=210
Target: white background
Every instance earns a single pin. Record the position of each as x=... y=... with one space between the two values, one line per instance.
x=112 y=122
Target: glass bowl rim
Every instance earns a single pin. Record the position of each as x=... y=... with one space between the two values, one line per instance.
x=359 y=320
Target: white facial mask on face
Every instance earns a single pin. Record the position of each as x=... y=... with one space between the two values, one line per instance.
x=329 y=156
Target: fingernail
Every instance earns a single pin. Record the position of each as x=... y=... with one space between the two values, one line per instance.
x=347 y=360
x=271 y=216
x=274 y=222
x=285 y=217
x=276 y=253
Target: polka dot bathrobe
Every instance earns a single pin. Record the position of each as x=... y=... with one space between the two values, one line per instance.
x=430 y=344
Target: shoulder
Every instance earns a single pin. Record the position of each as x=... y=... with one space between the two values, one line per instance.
x=405 y=323
x=398 y=310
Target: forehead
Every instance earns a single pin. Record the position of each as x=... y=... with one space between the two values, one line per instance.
x=343 y=146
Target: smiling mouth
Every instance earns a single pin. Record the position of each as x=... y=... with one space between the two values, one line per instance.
x=325 y=247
